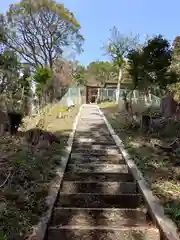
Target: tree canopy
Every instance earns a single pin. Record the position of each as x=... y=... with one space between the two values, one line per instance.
x=176 y=55
x=40 y=30
x=101 y=71
x=150 y=65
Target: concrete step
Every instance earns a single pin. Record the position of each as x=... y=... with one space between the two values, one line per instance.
x=96 y=168
x=93 y=119
x=94 y=152
x=90 y=128
x=97 y=160
x=92 y=124
x=96 y=124
x=91 y=152
x=103 y=233
x=97 y=138
x=110 y=159
x=93 y=134
x=85 y=119
x=98 y=157
x=98 y=187
x=90 y=119
x=94 y=146
x=98 y=177
x=90 y=141
x=98 y=217
x=97 y=200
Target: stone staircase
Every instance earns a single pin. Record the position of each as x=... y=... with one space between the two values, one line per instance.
x=99 y=199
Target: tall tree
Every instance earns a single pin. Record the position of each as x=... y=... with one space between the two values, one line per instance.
x=40 y=30
x=135 y=67
x=26 y=90
x=157 y=55
x=150 y=65
x=176 y=55
x=117 y=48
x=9 y=66
x=175 y=66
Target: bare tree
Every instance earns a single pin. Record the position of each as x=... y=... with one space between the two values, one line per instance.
x=117 y=48
x=40 y=30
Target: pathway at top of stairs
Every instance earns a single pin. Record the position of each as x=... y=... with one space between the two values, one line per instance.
x=99 y=199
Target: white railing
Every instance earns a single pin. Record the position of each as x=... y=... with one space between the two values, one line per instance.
x=140 y=101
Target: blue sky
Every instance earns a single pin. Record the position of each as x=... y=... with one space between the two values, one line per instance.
x=145 y=17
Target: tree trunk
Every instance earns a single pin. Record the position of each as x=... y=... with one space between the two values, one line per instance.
x=130 y=104
x=119 y=84
x=21 y=100
x=98 y=96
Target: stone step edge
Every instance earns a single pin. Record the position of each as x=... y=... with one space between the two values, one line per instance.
x=75 y=155
x=121 y=228
x=95 y=164
x=69 y=175
x=103 y=168
x=104 y=209
x=98 y=182
x=95 y=182
x=102 y=194
x=111 y=154
x=143 y=210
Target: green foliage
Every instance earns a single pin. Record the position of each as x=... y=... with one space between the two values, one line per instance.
x=102 y=71
x=157 y=59
x=150 y=65
x=41 y=77
x=3 y=236
x=8 y=60
x=175 y=88
x=27 y=94
x=9 y=66
x=12 y=86
x=19 y=93
x=16 y=89
x=135 y=66
x=79 y=75
x=176 y=55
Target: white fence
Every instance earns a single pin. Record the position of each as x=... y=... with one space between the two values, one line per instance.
x=73 y=93
x=140 y=101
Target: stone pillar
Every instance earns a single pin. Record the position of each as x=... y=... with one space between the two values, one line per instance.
x=168 y=106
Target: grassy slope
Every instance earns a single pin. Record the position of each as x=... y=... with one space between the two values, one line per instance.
x=158 y=168
x=22 y=198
